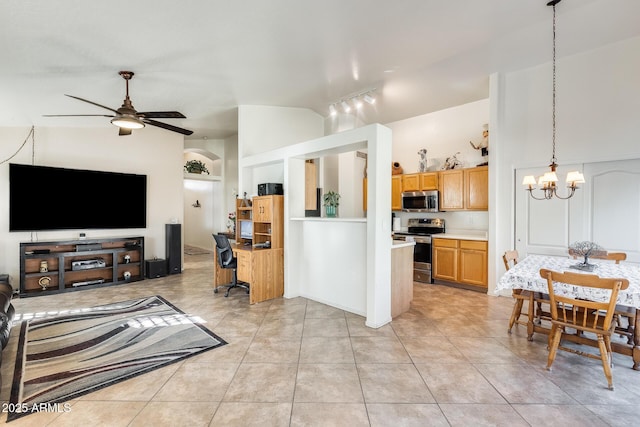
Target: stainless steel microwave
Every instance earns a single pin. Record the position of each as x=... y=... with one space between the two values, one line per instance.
x=420 y=201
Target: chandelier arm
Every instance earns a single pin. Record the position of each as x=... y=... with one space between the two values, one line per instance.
x=573 y=190
x=530 y=190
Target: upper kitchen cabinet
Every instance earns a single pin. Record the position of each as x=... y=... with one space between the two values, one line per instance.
x=420 y=181
x=410 y=182
x=464 y=189
x=429 y=181
x=396 y=192
x=476 y=194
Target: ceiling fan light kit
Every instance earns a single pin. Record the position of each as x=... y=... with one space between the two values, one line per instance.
x=548 y=181
x=127 y=118
x=127 y=122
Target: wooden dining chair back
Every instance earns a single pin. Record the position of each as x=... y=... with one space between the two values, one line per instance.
x=586 y=316
x=625 y=317
x=510 y=258
x=534 y=299
x=611 y=256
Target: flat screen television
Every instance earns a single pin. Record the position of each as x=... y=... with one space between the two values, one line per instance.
x=51 y=198
x=246 y=229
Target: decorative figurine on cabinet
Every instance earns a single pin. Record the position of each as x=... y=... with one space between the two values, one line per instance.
x=484 y=145
x=452 y=162
x=422 y=163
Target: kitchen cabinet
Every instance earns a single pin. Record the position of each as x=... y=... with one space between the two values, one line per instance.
x=472 y=262
x=476 y=184
x=396 y=192
x=464 y=189
x=460 y=261
x=420 y=181
x=451 y=190
x=445 y=259
x=428 y=181
x=411 y=182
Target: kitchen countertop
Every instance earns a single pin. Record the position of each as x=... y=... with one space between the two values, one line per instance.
x=401 y=244
x=462 y=236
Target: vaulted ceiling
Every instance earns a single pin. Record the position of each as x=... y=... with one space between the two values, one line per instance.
x=204 y=58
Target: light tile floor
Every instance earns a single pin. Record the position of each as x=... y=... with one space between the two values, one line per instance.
x=447 y=362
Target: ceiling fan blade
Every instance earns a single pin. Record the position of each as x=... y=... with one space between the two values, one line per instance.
x=167 y=127
x=76 y=115
x=162 y=115
x=124 y=132
x=91 y=102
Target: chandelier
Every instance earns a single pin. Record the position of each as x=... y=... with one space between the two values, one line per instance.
x=548 y=181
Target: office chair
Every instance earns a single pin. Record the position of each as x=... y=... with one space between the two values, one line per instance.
x=227 y=260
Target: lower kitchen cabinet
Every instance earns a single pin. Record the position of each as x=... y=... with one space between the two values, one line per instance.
x=460 y=261
x=472 y=263
x=445 y=259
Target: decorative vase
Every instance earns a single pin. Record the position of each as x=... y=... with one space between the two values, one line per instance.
x=396 y=169
x=330 y=211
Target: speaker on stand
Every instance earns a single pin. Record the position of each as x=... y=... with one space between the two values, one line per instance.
x=173 y=248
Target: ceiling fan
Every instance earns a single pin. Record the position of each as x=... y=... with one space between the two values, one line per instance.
x=127 y=118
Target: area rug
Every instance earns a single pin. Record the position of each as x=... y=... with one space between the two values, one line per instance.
x=194 y=250
x=74 y=353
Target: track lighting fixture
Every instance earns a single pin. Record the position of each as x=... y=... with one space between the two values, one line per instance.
x=356 y=100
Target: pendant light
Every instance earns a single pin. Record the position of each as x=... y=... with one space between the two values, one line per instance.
x=548 y=181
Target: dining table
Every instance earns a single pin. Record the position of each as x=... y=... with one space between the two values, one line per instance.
x=525 y=275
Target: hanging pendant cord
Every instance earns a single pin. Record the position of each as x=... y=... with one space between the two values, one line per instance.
x=553 y=157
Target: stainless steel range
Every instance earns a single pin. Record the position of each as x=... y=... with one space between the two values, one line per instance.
x=420 y=230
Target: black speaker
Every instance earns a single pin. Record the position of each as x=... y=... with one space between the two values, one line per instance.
x=173 y=248
x=155 y=268
x=270 y=188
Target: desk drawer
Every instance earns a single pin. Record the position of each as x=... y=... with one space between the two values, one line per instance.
x=244 y=266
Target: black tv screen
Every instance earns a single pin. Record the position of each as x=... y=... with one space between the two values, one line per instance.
x=50 y=198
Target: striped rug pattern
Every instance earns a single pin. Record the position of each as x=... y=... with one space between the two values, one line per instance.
x=73 y=353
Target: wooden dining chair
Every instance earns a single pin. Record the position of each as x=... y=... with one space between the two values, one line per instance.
x=510 y=259
x=622 y=314
x=583 y=315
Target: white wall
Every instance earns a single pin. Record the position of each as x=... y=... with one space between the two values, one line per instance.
x=597 y=120
x=154 y=152
x=443 y=133
x=263 y=129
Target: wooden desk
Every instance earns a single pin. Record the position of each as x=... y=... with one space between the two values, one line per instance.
x=526 y=275
x=263 y=269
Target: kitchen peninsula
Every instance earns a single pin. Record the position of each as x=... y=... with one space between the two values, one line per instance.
x=401 y=277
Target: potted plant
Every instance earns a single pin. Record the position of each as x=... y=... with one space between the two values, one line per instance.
x=331 y=201
x=195 y=166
